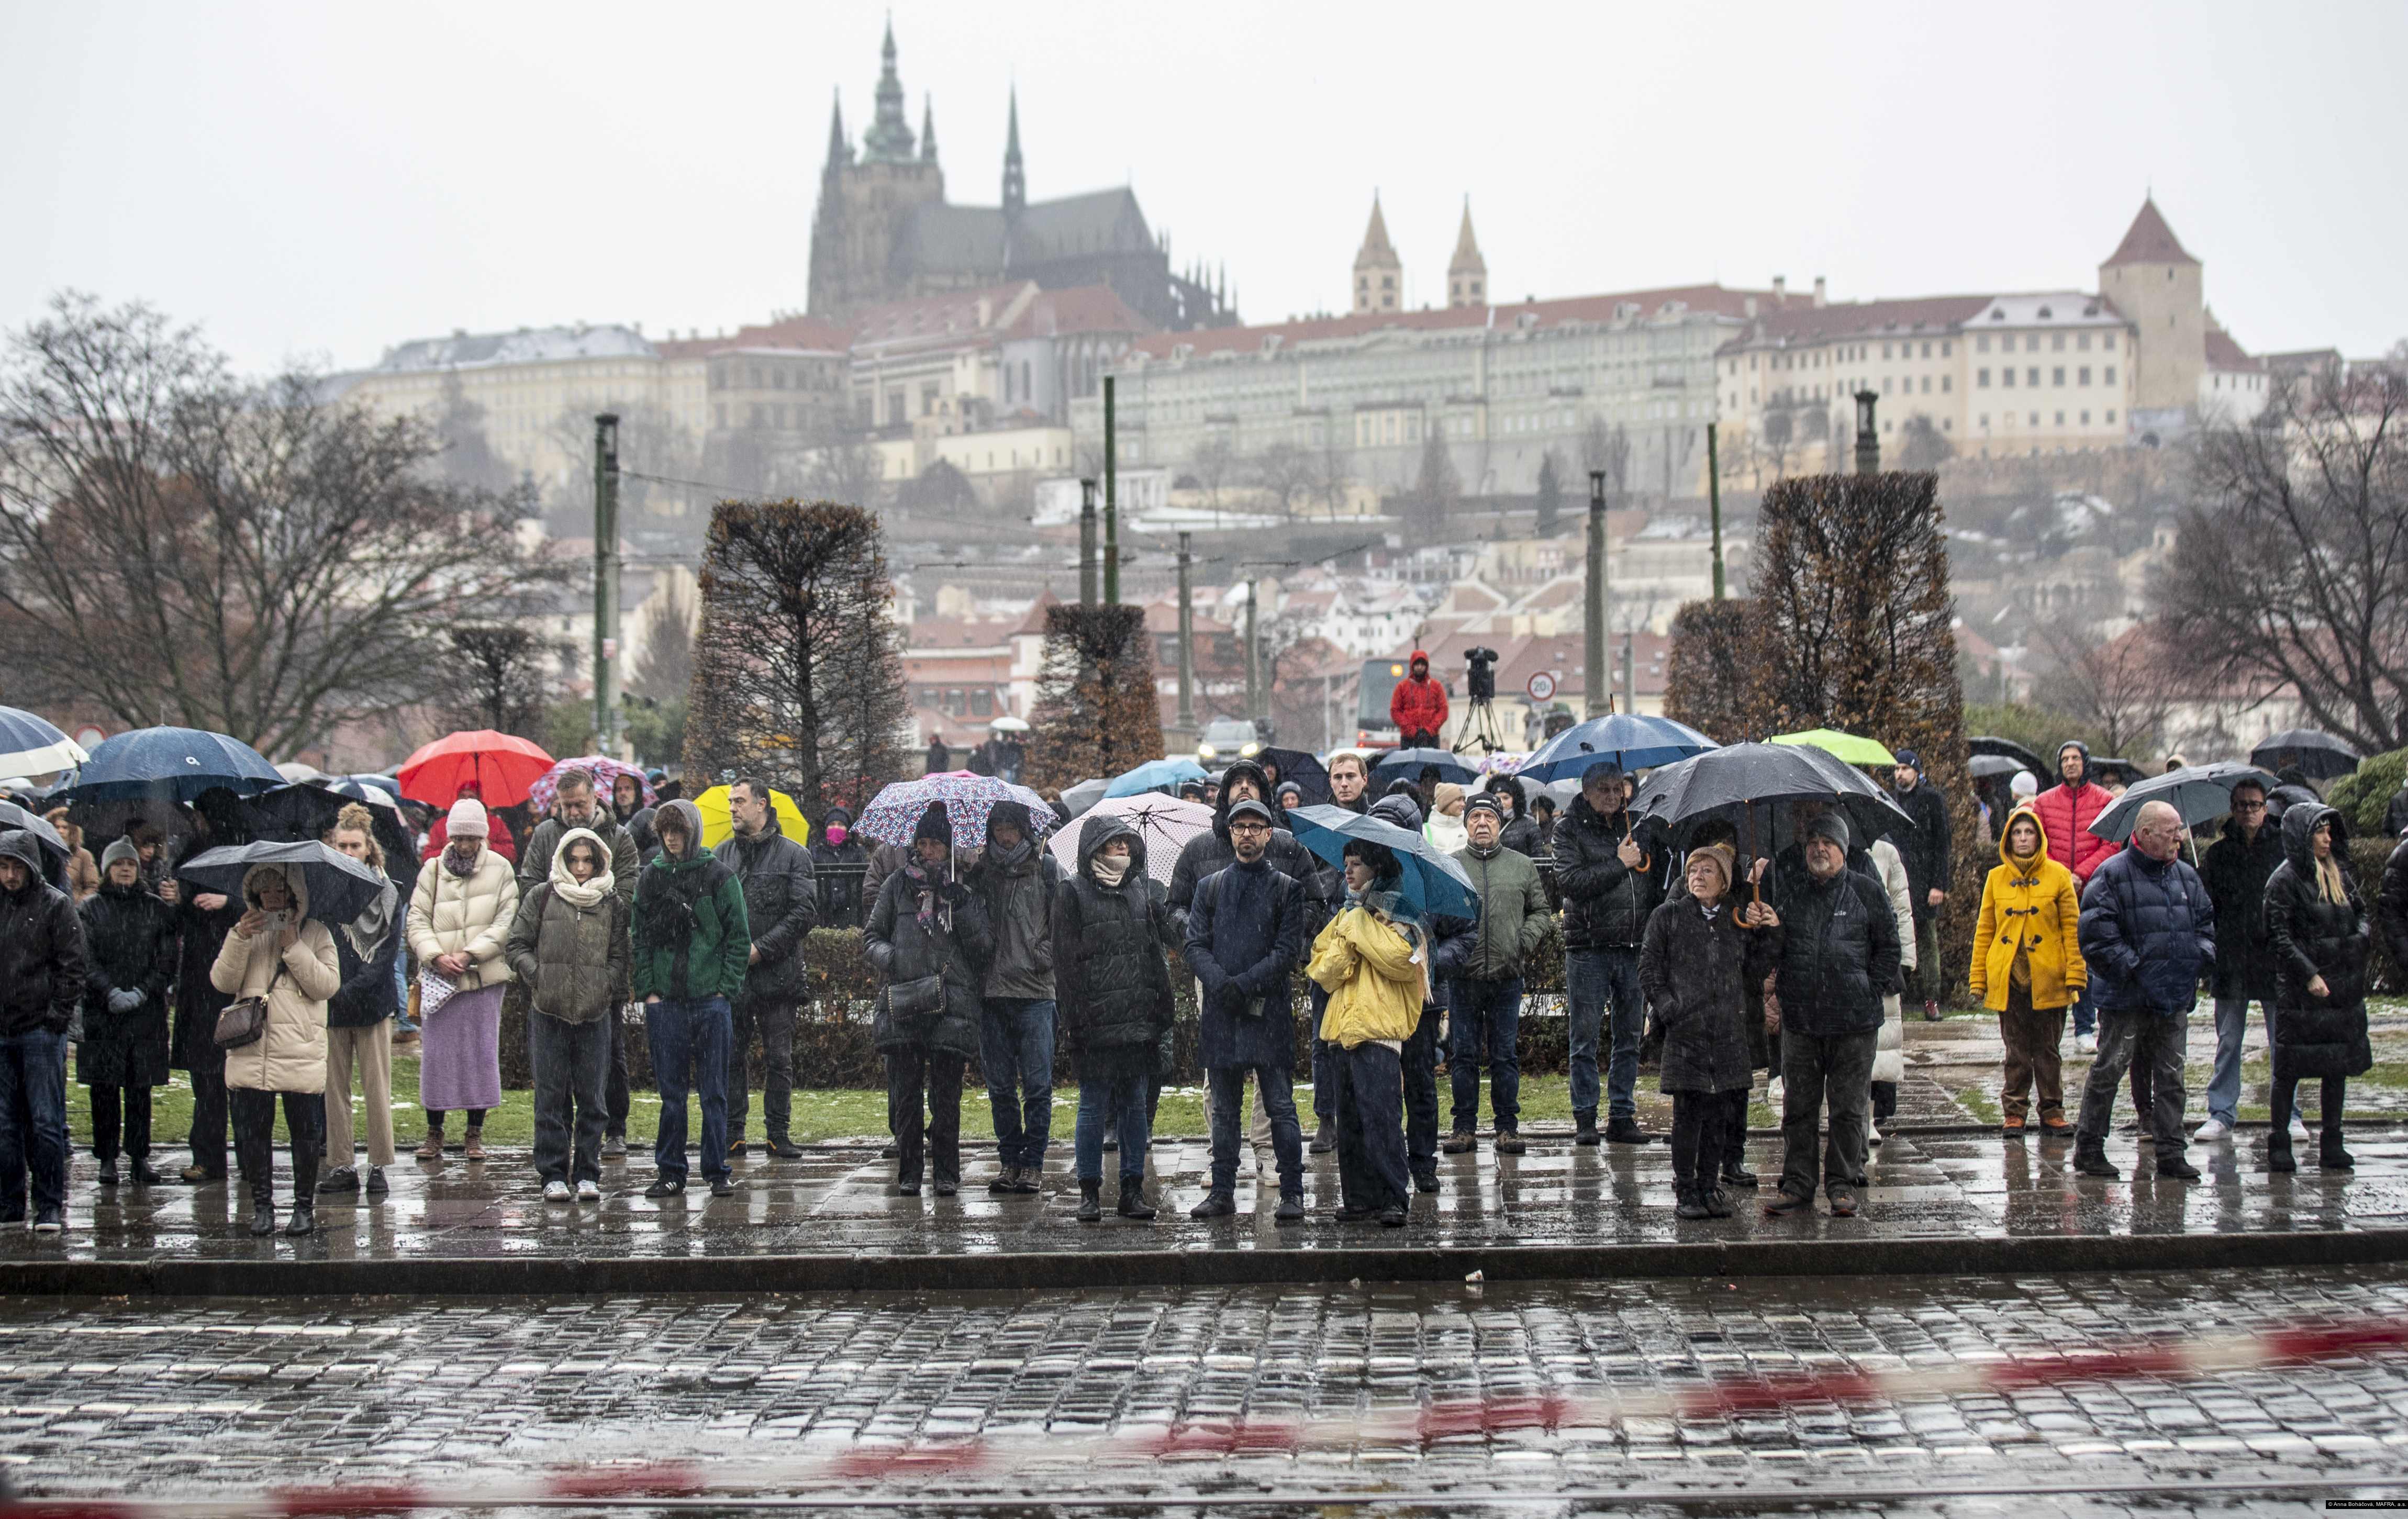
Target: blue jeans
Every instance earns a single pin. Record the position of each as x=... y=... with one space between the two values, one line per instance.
x=1119 y=1106
x=1593 y=979
x=403 y=1022
x=689 y=1039
x=2231 y=1026
x=1371 y=1166
x=1228 y=1084
x=2085 y=1015
x=33 y=1121
x=1016 y=1051
x=1486 y=1021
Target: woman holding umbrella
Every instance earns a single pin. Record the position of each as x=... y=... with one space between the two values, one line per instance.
x=130 y=946
x=929 y=939
x=279 y=953
x=459 y=923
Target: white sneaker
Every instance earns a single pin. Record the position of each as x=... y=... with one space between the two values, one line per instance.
x=1872 y=1132
x=2299 y=1126
x=2214 y=1128
x=588 y=1192
x=2086 y=1043
x=556 y=1192
x=1773 y=1098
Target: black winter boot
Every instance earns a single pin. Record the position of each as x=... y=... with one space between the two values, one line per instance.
x=263 y=1218
x=1585 y=1127
x=2331 y=1156
x=1091 y=1201
x=2278 y=1155
x=1133 y=1203
x=2090 y=1159
x=1691 y=1205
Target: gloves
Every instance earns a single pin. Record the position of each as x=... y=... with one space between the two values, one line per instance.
x=954 y=893
x=123 y=999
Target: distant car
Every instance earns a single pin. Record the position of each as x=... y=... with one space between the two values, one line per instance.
x=1227 y=739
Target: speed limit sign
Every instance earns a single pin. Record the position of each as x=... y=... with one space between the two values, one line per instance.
x=1542 y=686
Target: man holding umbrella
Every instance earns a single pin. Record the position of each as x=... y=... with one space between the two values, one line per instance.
x=2236 y=868
x=1611 y=881
x=1837 y=953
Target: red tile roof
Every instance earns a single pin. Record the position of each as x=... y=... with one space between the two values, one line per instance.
x=2224 y=354
x=1730 y=303
x=2149 y=241
x=1080 y=309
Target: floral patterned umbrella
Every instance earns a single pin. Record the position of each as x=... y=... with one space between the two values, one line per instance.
x=604 y=770
x=893 y=812
x=1164 y=823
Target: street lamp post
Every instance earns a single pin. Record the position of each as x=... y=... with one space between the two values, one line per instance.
x=1599 y=699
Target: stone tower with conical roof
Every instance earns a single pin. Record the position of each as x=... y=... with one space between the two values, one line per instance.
x=1467 y=273
x=1379 y=274
x=2161 y=289
x=866 y=199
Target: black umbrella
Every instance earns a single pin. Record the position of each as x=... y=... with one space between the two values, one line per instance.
x=339 y=888
x=303 y=810
x=1408 y=764
x=1983 y=744
x=1985 y=765
x=1731 y=783
x=2197 y=792
x=2320 y=757
x=1294 y=765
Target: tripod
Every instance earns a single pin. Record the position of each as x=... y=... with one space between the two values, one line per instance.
x=1481 y=726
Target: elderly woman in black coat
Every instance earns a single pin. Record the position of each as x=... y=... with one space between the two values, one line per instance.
x=1111 y=923
x=1696 y=964
x=929 y=939
x=130 y=941
x=2317 y=926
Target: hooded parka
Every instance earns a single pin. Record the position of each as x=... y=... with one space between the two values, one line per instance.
x=1205 y=854
x=2034 y=913
x=41 y=947
x=2236 y=870
x=1019 y=900
x=130 y=945
x=2310 y=936
x=568 y=943
x=291 y=1056
x=1111 y=981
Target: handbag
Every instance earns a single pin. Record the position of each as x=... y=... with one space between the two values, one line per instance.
x=916 y=1000
x=244 y=1020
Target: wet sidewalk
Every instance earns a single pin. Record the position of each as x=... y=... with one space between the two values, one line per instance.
x=1943 y=1193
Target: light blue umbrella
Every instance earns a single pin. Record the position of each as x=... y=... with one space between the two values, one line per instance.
x=1631 y=740
x=1155 y=775
x=1433 y=881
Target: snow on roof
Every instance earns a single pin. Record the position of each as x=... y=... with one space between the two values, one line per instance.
x=527 y=345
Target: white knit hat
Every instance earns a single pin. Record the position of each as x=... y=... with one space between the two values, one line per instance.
x=467 y=820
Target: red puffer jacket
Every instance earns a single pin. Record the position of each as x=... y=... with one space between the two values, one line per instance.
x=2066 y=817
x=1418 y=706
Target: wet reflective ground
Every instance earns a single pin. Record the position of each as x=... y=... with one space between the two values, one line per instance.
x=173 y=1399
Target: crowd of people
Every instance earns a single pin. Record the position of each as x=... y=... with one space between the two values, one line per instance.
x=611 y=917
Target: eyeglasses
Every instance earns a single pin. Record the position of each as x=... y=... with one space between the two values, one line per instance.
x=2248 y=806
x=1250 y=825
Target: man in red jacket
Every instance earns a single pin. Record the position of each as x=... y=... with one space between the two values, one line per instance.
x=1418 y=706
x=2066 y=812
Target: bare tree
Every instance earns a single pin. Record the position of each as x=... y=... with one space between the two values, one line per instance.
x=2292 y=571
x=254 y=558
x=1607 y=449
x=1921 y=444
x=1215 y=465
x=502 y=676
x=2121 y=686
x=844 y=468
x=1333 y=471
x=1285 y=472
x=664 y=671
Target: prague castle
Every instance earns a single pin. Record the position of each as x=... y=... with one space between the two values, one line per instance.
x=885 y=231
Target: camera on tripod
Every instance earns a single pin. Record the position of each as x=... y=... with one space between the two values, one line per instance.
x=1479 y=674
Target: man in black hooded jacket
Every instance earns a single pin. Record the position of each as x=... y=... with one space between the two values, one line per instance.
x=781 y=904
x=1611 y=872
x=41 y=980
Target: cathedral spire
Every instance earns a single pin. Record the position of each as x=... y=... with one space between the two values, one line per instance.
x=1377 y=272
x=927 y=129
x=839 y=150
x=1467 y=273
x=1015 y=177
x=889 y=137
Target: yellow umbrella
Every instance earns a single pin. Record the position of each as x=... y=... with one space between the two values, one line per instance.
x=712 y=805
x=1850 y=748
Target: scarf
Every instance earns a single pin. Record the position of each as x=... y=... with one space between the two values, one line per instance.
x=932 y=915
x=1108 y=869
x=1013 y=857
x=451 y=863
x=367 y=931
x=2027 y=868
x=1711 y=910
x=575 y=892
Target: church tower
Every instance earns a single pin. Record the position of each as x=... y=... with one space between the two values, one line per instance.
x=1467 y=273
x=1015 y=176
x=1379 y=275
x=2161 y=289
x=866 y=200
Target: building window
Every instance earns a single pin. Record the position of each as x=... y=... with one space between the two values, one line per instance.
x=1926 y=384
x=2031 y=377
x=1926 y=350
x=1885 y=353
x=2007 y=377
x=2035 y=418
x=2085 y=419
x=1946 y=349
x=2082 y=342
x=1981 y=380
x=1884 y=384
x=2060 y=419
x=1982 y=342
x=982 y=703
x=2111 y=416
x=2057 y=377
x=2109 y=374
x=1946 y=381
x=2083 y=375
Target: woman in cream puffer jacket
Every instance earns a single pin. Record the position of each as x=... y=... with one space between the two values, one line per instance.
x=459 y=928
x=296 y=968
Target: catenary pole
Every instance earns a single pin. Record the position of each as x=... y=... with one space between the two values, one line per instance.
x=1186 y=639
x=1086 y=543
x=606 y=582
x=1111 y=503
x=1714 y=505
x=1594 y=672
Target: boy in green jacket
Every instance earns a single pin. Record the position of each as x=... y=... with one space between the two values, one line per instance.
x=692 y=946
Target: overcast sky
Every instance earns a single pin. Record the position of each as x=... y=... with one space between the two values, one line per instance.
x=319 y=181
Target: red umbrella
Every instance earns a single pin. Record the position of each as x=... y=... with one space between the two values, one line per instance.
x=502 y=766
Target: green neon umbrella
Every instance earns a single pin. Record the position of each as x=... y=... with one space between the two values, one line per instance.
x=1847 y=747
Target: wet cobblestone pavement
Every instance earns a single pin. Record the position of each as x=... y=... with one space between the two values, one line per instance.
x=167 y=1399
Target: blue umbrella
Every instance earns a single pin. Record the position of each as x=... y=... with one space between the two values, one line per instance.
x=173 y=764
x=1433 y=881
x=1155 y=775
x=1408 y=764
x=1630 y=740
x=32 y=745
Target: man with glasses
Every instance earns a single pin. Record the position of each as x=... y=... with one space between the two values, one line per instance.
x=2235 y=867
x=2148 y=930
x=1245 y=929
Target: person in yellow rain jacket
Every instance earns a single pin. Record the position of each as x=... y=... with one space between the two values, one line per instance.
x=2027 y=965
x=1373 y=960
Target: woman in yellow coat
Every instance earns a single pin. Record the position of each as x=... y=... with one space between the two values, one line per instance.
x=1374 y=963
x=2027 y=965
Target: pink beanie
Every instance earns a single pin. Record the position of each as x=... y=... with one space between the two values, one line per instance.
x=467 y=820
